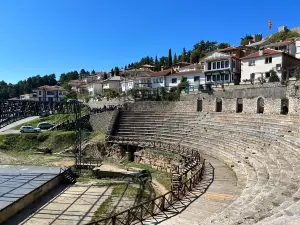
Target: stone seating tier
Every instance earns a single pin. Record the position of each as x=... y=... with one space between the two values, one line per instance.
x=262 y=150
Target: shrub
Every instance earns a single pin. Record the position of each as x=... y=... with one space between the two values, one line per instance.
x=274 y=77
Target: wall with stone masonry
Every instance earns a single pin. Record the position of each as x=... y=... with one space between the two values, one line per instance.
x=272 y=93
x=179 y=106
x=158 y=162
x=100 y=121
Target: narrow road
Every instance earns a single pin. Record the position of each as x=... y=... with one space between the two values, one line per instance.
x=9 y=128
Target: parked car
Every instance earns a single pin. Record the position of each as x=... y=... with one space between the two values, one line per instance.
x=29 y=129
x=45 y=125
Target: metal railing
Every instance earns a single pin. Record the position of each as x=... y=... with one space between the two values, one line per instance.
x=156 y=205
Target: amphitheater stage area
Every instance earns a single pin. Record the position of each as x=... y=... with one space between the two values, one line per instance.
x=21 y=185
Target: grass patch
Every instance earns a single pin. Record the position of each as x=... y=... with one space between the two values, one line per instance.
x=121 y=194
x=55 y=119
x=29 y=158
x=164 y=178
x=55 y=140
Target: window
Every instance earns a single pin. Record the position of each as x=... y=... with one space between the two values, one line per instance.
x=298 y=49
x=196 y=78
x=252 y=76
x=226 y=64
x=174 y=80
x=208 y=77
x=226 y=76
x=218 y=77
x=218 y=65
x=209 y=66
x=214 y=78
x=222 y=76
x=50 y=92
x=161 y=80
x=268 y=60
x=268 y=74
x=222 y=64
x=40 y=92
x=214 y=65
x=251 y=62
x=233 y=64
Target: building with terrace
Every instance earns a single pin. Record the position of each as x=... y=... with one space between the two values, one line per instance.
x=49 y=93
x=257 y=66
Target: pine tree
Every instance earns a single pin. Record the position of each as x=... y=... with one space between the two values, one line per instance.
x=112 y=72
x=170 y=63
x=175 y=59
x=156 y=64
x=93 y=72
x=183 y=55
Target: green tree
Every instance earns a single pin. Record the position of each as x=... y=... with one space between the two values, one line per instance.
x=183 y=55
x=283 y=35
x=112 y=72
x=117 y=71
x=93 y=72
x=82 y=73
x=297 y=73
x=246 y=40
x=273 y=76
x=156 y=64
x=170 y=63
x=105 y=76
x=223 y=45
x=175 y=59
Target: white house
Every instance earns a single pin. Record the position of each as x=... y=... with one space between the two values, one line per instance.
x=49 y=93
x=31 y=97
x=258 y=65
x=194 y=74
x=128 y=83
x=95 y=87
x=297 y=48
x=112 y=83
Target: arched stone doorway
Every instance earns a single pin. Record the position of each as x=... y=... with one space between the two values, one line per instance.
x=218 y=105
x=284 y=106
x=239 y=105
x=260 y=105
x=199 y=105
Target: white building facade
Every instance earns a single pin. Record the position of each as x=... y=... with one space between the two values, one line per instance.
x=49 y=94
x=257 y=66
x=95 y=88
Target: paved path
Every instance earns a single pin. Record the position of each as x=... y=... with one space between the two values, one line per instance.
x=9 y=128
x=212 y=195
x=74 y=205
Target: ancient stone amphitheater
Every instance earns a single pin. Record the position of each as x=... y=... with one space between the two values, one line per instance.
x=262 y=150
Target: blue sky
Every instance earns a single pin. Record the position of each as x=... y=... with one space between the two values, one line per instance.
x=56 y=36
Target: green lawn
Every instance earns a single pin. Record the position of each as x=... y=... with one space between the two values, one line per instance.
x=55 y=140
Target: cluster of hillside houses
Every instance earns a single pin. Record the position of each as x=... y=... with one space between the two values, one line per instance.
x=229 y=66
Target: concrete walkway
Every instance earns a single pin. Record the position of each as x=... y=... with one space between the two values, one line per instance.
x=73 y=205
x=9 y=128
x=212 y=195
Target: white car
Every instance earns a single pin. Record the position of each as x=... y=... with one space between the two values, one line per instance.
x=29 y=129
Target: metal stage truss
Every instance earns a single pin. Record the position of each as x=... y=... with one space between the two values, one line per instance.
x=13 y=110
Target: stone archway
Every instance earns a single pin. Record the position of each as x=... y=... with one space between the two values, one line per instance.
x=260 y=105
x=284 y=106
x=218 y=105
x=239 y=105
x=199 y=105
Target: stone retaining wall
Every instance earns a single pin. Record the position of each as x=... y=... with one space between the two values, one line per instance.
x=100 y=121
x=179 y=106
x=158 y=162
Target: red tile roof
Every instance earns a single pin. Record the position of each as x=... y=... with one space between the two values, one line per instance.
x=46 y=87
x=267 y=52
x=160 y=73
